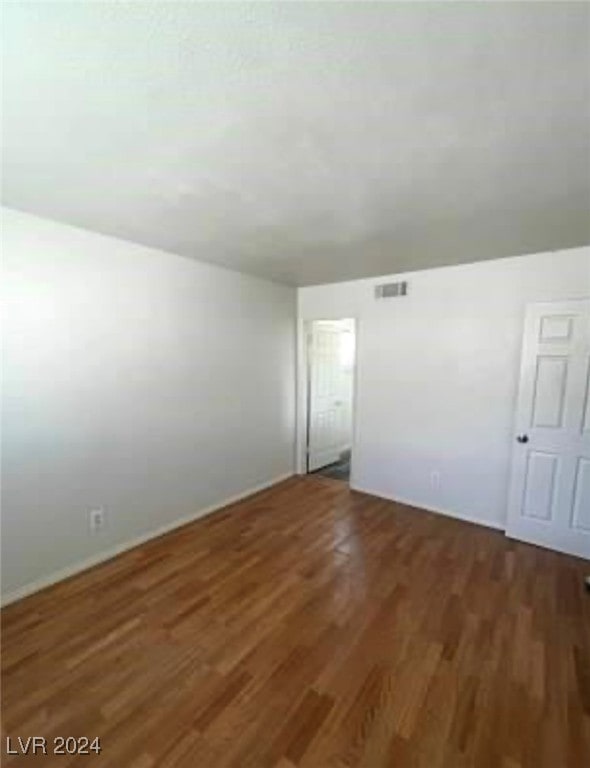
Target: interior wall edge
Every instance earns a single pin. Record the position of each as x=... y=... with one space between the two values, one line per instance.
x=462 y=516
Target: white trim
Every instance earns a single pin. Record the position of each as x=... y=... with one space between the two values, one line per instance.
x=108 y=554
x=437 y=510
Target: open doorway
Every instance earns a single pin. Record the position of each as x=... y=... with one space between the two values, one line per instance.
x=331 y=346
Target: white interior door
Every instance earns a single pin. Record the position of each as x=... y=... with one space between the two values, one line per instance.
x=549 y=500
x=329 y=394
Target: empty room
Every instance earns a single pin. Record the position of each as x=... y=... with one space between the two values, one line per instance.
x=295 y=435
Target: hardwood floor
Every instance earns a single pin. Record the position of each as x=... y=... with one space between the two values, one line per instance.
x=309 y=626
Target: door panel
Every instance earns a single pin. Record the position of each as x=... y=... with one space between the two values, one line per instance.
x=549 y=498
x=556 y=328
x=581 y=508
x=586 y=417
x=549 y=391
x=539 y=485
x=329 y=394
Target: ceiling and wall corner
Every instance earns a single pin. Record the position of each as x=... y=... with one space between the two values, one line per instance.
x=303 y=142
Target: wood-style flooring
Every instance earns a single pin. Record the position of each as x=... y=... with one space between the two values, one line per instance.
x=309 y=626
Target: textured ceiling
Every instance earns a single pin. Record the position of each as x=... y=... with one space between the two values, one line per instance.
x=304 y=142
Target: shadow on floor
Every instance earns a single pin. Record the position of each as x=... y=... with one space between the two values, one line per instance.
x=337 y=471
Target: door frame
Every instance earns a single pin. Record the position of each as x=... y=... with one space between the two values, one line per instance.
x=303 y=383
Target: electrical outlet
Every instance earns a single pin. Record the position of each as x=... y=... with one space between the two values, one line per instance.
x=435 y=479
x=96 y=519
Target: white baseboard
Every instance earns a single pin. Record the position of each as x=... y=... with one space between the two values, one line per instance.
x=108 y=554
x=438 y=510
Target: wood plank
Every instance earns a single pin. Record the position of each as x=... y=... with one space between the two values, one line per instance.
x=309 y=627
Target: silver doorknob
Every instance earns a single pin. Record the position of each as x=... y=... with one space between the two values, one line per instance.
x=522 y=438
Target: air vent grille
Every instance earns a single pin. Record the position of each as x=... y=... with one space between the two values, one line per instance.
x=391 y=290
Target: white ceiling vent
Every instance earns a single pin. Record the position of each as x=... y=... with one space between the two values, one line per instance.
x=391 y=290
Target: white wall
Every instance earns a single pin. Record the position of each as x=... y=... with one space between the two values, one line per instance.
x=437 y=375
x=150 y=384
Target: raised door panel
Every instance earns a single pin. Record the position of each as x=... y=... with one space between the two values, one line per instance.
x=539 y=490
x=586 y=410
x=581 y=496
x=556 y=328
x=549 y=391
